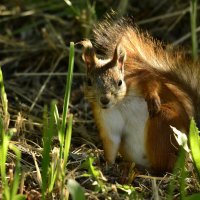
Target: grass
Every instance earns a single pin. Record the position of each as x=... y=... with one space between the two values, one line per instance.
x=195 y=146
x=180 y=170
x=40 y=155
x=193 y=16
x=9 y=187
x=53 y=171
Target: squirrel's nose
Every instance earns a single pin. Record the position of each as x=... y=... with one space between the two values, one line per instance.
x=104 y=100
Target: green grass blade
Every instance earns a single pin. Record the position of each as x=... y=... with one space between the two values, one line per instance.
x=183 y=174
x=67 y=140
x=5 y=138
x=53 y=176
x=57 y=120
x=193 y=197
x=4 y=99
x=179 y=167
x=55 y=167
x=194 y=140
x=47 y=139
x=3 y=151
x=94 y=172
x=20 y=197
x=67 y=89
x=193 y=18
x=182 y=141
x=58 y=125
x=15 y=184
x=75 y=190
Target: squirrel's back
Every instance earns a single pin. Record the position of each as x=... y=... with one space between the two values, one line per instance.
x=145 y=52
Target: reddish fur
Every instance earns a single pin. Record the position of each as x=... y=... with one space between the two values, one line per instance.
x=175 y=110
x=160 y=141
x=154 y=74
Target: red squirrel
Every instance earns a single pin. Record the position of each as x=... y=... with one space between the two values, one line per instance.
x=137 y=90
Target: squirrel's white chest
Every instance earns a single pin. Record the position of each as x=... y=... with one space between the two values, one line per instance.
x=128 y=120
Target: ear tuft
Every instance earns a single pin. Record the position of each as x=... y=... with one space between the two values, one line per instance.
x=119 y=56
x=89 y=56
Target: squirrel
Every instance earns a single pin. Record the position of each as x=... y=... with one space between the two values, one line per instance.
x=137 y=90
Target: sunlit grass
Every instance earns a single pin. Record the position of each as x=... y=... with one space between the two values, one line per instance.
x=194 y=139
x=180 y=172
x=54 y=160
x=10 y=185
x=54 y=167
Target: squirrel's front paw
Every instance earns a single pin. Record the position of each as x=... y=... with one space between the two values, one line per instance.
x=154 y=104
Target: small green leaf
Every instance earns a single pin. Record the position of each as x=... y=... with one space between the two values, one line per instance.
x=20 y=197
x=193 y=197
x=195 y=145
x=75 y=190
x=95 y=173
x=88 y=164
x=126 y=188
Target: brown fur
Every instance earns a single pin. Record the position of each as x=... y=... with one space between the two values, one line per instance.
x=174 y=109
x=166 y=80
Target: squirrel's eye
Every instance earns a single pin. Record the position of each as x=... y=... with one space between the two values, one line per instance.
x=89 y=82
x=119 y=83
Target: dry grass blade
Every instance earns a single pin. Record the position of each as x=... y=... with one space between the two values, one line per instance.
x=155 y=190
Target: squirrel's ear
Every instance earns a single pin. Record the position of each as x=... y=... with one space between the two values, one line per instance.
x=89 y=56
x=119 y=56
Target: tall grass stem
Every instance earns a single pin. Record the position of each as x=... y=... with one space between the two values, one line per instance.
x=193 y=19
x=67 y=92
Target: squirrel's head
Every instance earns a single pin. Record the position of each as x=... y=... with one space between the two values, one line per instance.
x=105 y=78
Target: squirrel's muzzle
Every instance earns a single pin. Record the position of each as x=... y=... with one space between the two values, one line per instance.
x=104 y=100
